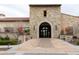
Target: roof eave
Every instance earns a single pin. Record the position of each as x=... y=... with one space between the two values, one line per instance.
x=33 y=5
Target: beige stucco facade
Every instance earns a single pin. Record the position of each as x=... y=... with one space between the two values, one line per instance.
x=13 y=24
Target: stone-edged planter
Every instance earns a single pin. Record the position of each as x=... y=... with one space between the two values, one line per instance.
x=66 y=37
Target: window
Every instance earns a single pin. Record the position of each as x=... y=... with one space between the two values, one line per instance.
x=9 y=29
x=45 y=13
x=55 y=27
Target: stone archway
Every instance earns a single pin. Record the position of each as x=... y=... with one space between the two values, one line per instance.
x=44 y=30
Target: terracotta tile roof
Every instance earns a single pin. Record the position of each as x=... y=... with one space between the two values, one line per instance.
x=41 y=5
x=14 y=19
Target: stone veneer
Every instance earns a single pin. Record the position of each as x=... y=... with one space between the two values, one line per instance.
x=37 y=17
x=54 y=18
x=73 y=21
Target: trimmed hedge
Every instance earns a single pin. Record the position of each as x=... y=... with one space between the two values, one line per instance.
x=77 y=42
x=7 y=41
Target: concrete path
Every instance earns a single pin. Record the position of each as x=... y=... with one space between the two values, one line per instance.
x=43 y=46
x=45 y=43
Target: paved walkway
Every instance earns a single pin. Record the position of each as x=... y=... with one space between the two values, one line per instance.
x=45 y=43
x=50 y=44
x=43 y=46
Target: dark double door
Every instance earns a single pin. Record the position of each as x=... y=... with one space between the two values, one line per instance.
x=45 y=30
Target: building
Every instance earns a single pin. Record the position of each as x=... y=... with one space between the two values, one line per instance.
x=45 y=21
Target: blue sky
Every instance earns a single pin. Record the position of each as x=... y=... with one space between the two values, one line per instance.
x=20 y=8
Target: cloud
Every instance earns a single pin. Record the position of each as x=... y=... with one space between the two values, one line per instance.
x=29 y=1
x=72 y=9
x=14 y=1
x=11 y=10
x=20 y=8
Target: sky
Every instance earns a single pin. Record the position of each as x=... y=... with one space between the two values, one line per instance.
x=20 y=8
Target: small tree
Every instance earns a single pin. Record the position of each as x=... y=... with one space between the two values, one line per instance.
x=69 y=30
x=27 y=30
x=62 y=32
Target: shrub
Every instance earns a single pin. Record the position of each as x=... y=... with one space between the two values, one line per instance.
x=1 y=38
x=27 y=30
x=7 y=38
x=69 y=30
x=13 y=42
x=77 y=42
x=74 y=37
x=7 y=41
x=4 y=38
x=4 y=42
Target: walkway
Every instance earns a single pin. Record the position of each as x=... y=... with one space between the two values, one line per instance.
x=44 y=46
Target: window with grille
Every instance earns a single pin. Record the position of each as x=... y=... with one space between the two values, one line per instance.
x=9 y=29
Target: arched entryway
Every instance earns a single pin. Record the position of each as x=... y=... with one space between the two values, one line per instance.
x=45 y=30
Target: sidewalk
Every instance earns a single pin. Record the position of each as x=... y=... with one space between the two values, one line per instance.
x=6 y=46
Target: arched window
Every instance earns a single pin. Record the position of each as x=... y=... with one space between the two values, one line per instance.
x=45 y=30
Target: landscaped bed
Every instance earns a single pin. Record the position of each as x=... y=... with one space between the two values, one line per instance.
x=71 y=39
x=75 y=42
x=7 y=41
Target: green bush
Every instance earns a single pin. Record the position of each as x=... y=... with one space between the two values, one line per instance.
x=7 y=38
x=4 y=42
x=7 y=41
x=27 y=30
x=77 y=43
x=13 y=42
x=1 y=38
x=4 y=38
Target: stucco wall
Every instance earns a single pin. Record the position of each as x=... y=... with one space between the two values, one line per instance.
x=69 y=20
x=13 y=24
